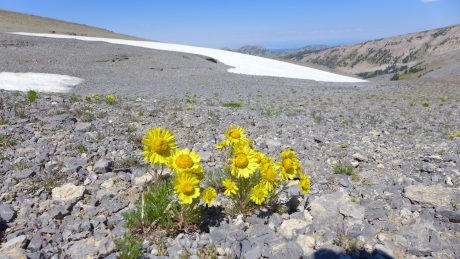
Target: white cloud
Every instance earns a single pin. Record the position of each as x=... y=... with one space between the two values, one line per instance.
x=429 y=1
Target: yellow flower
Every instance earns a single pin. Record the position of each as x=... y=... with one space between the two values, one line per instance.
x=186 y=187
x=458 y=134
x=451 y=137
x=230 y=187
x=235 y=134
x=209 y=195
x=304 y=184
x=223 y=144
x=290 y=165
x=158 y=144
x=186 y=161
x=244 y=162
x=258 y=194
x=268 y=173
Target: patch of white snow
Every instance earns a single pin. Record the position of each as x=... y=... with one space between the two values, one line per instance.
x=240 y=63
x=40 y=82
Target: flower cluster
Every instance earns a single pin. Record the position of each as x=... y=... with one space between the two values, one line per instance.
x=110 y=99
x=160 y=149
x=253 y=176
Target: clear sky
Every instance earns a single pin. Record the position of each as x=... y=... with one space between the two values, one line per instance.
x=274 y=24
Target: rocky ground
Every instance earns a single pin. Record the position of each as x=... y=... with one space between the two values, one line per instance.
x=71 y=167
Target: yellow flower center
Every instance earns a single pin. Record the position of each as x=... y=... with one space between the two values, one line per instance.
x=187 y=188
x=271 y=175
x=160 y=145
x=288 y=164
x=235 y=134
x=241 y=160
x=184 y=161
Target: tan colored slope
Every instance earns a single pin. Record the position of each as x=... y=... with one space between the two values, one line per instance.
x=17 y=22
x=391 y=55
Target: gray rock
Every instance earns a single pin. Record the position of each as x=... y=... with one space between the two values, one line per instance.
x=205 y=156
x=17 y=242
x=35 y=243
x=275 y=220
x=271 y=143
x=58 y=212
x=103 y=166
x=422 y=238
x=14 y=253
x=435 y=195
x=24 y=174
x=7 y=213
x=73 y=165
x=289 y=228
x=68 y=193
x=375 y=210
x=343 y=180
x=216 y=235
x=253 y=253
x=83 y=126
x=324 y=205
x=450 y=214
x=307 y=243
x=352 y=210
x=91 y=247
x=286 y=250
x=360 y=157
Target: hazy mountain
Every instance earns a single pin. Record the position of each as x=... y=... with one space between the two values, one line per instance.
x=408 y=56
x=262 y=51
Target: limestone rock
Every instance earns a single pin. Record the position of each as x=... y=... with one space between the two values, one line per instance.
x=289 y=227
x=68 y=192
x=435 y=195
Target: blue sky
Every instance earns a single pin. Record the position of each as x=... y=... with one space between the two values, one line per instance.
x=274 y=24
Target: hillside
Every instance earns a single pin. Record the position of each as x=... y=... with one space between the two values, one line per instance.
x=410 y=55
x=18 y=22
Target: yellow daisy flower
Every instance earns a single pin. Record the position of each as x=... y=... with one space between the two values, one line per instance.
x=158 y=144
x=244 y=162
x=223 y=144
x=186 y=161
x=187 y=188
x=304 y=184
x=230 y=187
x=209 y=195
x=235 y=134
x=290 y=165
x=260 y=157
x=258 y=194
x=269 y=173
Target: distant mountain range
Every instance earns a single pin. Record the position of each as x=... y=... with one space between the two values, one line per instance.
x=431 y=53
x=258 y=50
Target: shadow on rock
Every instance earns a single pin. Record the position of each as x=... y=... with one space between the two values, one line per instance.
x=3 y=227
x=212 y=218
x=325 y=253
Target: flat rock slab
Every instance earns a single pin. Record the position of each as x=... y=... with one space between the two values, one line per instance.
x=68 y=192
x=436 y=195
x=14 y=253
x=7 y=212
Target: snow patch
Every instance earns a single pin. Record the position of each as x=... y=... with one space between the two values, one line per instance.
x=37 y=81
x=240 y=63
